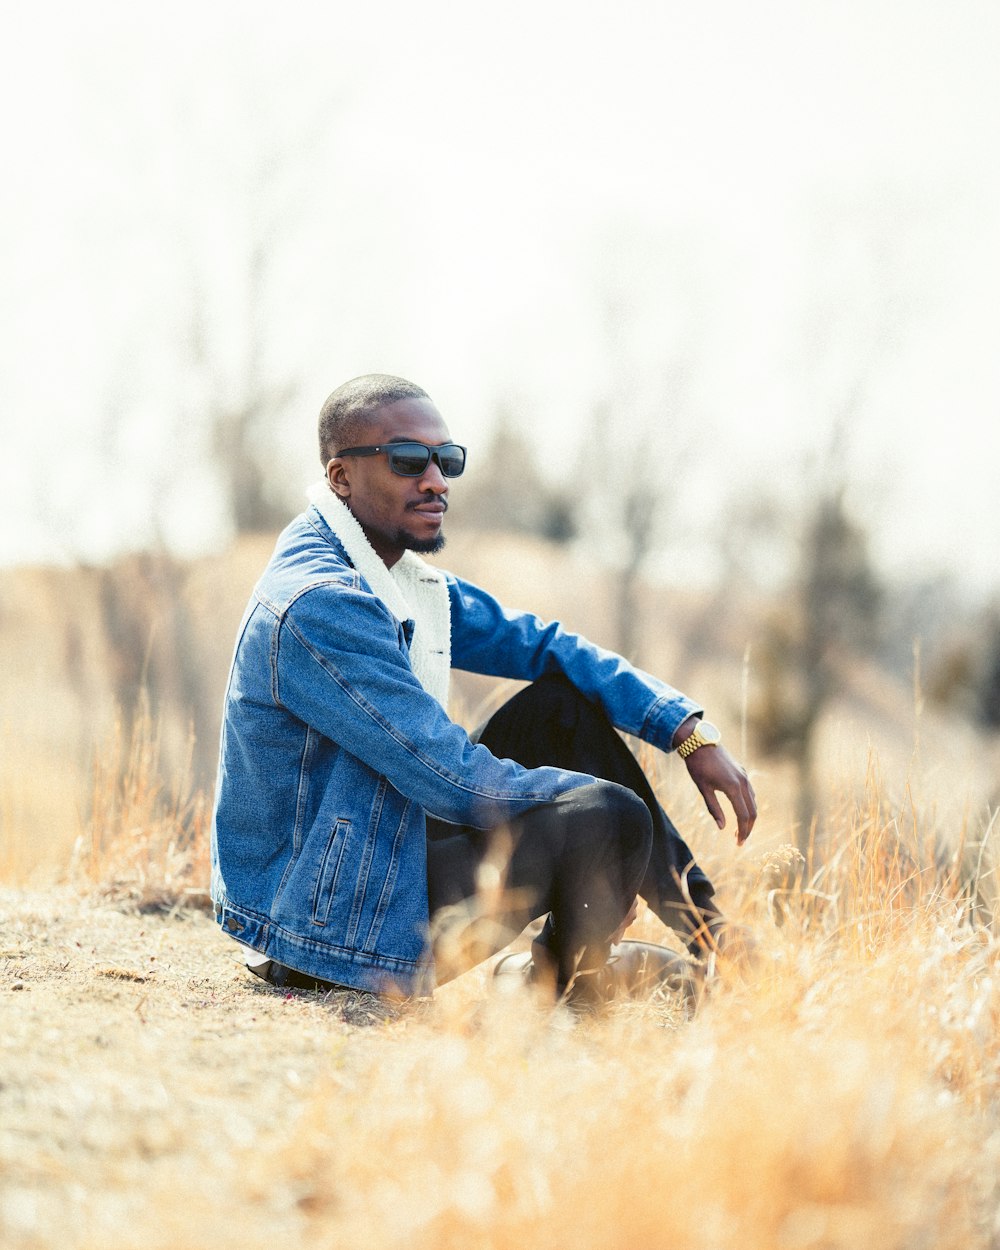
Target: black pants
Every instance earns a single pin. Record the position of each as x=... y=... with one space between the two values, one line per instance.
x=580 y=860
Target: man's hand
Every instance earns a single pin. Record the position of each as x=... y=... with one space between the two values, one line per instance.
x=713 y=769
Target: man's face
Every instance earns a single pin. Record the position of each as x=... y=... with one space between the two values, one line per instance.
x=397 y=513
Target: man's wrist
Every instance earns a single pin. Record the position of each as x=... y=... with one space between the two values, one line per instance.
x=702 y=734
x=684 y=730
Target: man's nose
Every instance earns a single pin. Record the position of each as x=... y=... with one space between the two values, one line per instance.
x=433 y=479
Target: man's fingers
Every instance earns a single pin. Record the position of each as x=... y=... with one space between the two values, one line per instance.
x=751 y=805
x=718 y=771
x=745 y=813
x=713 y=805
x=745 y=807
x=744 y=823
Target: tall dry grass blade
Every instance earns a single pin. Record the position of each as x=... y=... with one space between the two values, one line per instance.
x=146 y=841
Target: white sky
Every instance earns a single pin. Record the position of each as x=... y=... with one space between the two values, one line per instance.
x=794 y=199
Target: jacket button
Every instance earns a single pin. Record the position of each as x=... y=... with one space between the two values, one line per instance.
x=233 y=925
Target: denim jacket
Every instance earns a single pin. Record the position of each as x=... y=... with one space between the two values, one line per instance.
x=332 y=752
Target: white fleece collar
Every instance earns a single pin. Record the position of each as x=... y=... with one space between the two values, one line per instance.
x=412 y=591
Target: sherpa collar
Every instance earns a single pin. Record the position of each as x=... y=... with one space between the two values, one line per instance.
x=412 y=591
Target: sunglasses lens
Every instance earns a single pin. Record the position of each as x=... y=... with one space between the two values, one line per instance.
x=451 y=458
x=409 y=459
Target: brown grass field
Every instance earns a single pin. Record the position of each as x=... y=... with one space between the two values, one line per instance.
x=843 y=1092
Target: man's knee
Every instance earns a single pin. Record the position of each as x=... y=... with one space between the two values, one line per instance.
x=620 y=812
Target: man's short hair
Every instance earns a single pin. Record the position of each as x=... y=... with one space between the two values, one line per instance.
x=347 y=411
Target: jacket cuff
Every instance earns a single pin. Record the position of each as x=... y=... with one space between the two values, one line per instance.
x=665 y=717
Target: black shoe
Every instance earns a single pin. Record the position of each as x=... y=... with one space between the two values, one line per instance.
x=720 y=942
x=517 y=969
x=633 y=970
x=284 y=978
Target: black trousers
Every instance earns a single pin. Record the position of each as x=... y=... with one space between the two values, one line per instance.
x=579 y=860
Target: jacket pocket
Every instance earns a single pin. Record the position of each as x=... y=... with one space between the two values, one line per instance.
x=389 y=874
x=329 y=871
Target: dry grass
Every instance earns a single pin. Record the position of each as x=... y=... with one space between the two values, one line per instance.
x=145 y=842
x=844 y=1093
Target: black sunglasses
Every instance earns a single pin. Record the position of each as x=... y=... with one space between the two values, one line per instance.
x=412 y=459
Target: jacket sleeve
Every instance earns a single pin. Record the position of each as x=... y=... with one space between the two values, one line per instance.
x=338 y=663
x=501 y=642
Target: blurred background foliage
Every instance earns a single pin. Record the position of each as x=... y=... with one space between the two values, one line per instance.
x=819 y=642
x=708 y=294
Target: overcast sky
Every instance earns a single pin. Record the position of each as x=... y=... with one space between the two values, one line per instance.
x=794 y=206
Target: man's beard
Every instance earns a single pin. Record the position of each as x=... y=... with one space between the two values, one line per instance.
x=423 y=546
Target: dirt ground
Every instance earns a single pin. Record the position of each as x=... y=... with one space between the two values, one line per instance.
x=153 y=1094
x=137 y=1056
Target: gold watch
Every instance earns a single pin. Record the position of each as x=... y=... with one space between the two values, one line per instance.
x=705 y=735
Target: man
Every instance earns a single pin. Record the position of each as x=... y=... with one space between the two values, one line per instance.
x=360 y=834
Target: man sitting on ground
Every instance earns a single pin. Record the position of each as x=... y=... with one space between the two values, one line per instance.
x=354 y=818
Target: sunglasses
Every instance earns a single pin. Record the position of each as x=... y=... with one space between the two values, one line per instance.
x=412 y=459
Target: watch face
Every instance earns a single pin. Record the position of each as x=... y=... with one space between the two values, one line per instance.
x=710 y=734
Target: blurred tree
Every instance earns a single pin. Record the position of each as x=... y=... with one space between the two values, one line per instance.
x=920 y=612
x=241 y=417
x=240 y=181
x=244 y=210
x=964 y=672
x=650 y=311
x=506 y=492
x=954 y=674
x=632 y=503
x=860 y=250
x=239 y=394
x=989 y=698
x=827 y=618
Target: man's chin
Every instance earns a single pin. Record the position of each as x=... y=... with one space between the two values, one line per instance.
x=424 y=546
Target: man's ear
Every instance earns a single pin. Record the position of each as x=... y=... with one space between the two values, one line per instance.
x=336 y=475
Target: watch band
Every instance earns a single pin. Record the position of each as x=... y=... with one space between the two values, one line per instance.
x=705 y=735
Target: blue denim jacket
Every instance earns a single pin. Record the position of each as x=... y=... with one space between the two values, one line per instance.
x=332 y=753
